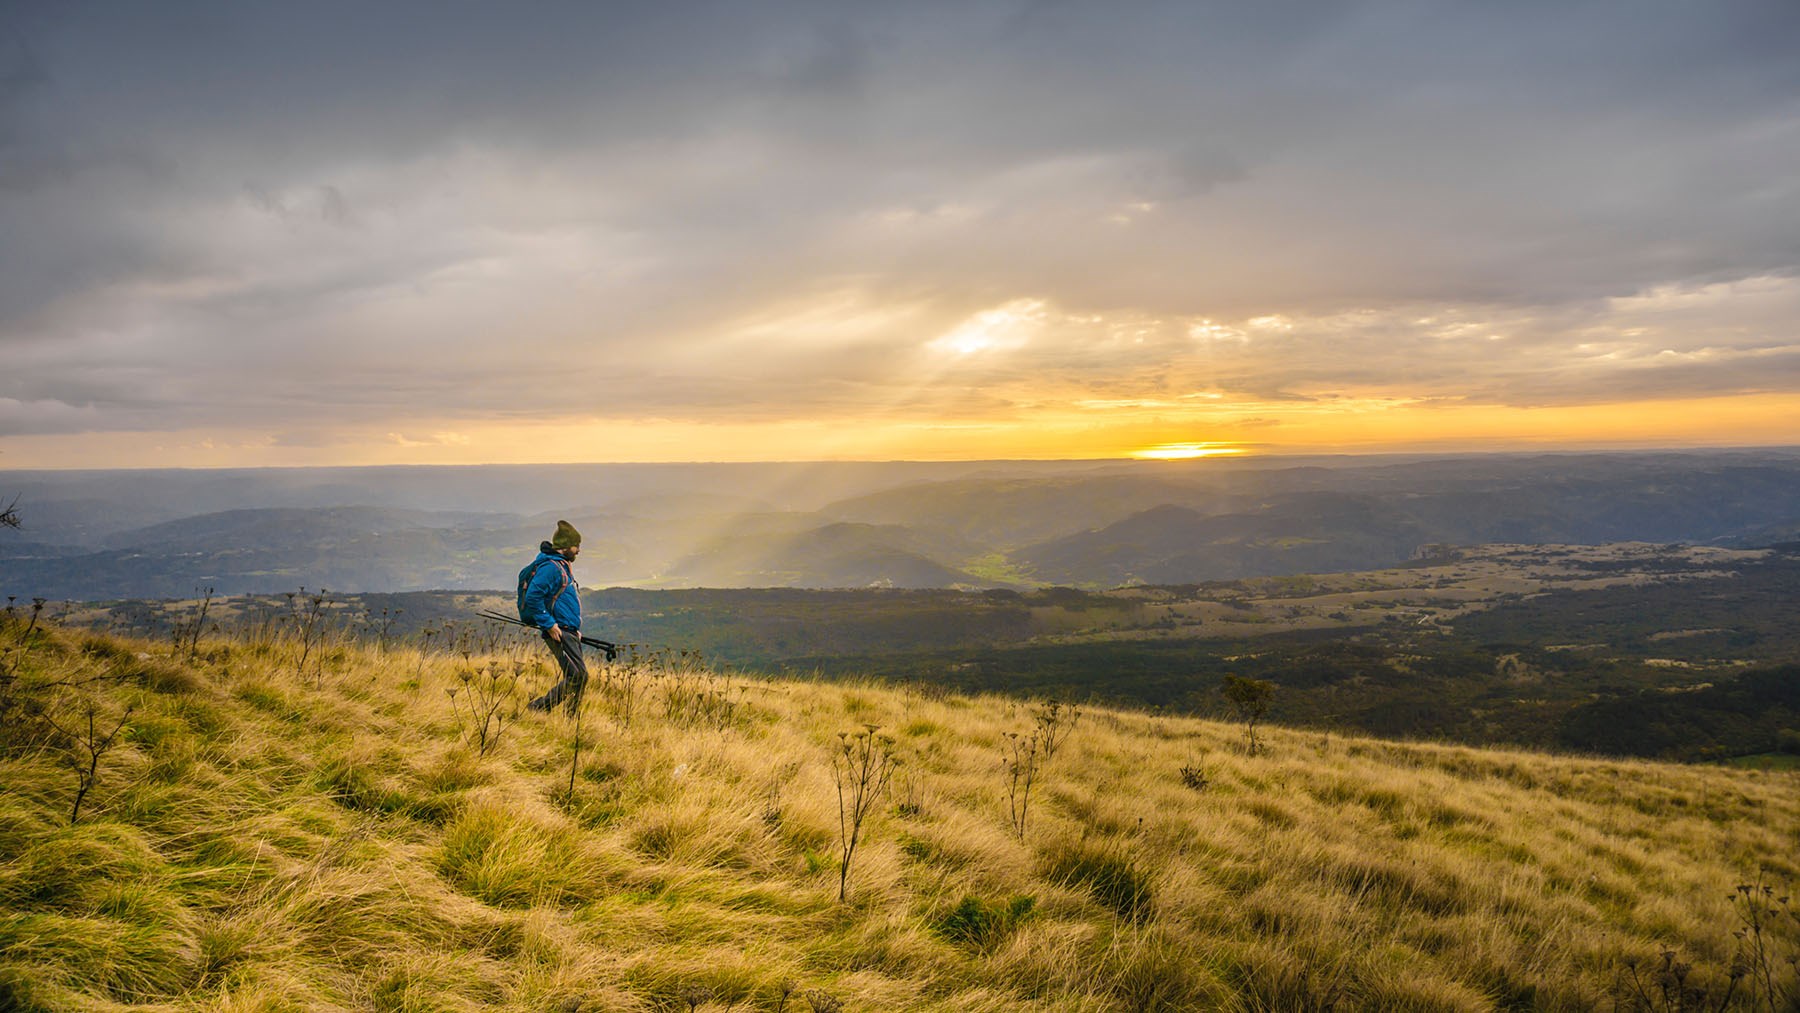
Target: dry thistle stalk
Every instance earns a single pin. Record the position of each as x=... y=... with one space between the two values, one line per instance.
x=312 y=631
x=1019 y=760
x=16 y=650
x=1054 y=723
x=1760 y=910
x=187 y=632
x=861 y=766
x=485 y=701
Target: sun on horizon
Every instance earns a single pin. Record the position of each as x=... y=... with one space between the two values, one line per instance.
x=1188 y=451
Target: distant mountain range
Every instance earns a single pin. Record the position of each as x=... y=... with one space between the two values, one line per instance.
x=107 y=535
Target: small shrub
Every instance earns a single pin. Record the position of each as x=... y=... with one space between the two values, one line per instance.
x=85 y=741
x=1250 y=698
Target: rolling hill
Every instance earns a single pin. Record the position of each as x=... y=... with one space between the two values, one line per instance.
x=832 y=555
x=258 y=826
x=1019 y=524
x=1298 y=533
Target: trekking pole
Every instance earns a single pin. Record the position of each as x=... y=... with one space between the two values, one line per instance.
x=611 y=649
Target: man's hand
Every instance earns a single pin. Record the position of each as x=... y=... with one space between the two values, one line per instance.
x=556 y=633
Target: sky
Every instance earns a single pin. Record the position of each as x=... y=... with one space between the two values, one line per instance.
x=244 y=234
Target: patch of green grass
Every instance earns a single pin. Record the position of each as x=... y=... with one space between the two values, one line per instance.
x=272 y=700
x=982 y=925
x=996 y=567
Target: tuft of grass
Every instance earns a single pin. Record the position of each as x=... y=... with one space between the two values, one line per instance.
x=982 y=925
x=68 y=869
x=128 y=940
x=430 y=983
x=509 y=859
x=1107 y=873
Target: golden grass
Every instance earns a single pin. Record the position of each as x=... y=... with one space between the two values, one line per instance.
x=263 y=841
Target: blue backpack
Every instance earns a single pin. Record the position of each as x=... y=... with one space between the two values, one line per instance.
x=529 y=572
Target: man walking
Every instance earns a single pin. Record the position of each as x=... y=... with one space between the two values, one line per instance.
x=549 y=599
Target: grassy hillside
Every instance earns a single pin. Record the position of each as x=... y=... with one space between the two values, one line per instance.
x=302 y=826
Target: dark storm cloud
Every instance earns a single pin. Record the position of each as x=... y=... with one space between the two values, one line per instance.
x=219 y=213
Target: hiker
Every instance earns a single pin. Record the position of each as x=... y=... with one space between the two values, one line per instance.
x=549 y=599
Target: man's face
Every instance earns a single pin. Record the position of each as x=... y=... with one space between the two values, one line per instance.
x=571 y=552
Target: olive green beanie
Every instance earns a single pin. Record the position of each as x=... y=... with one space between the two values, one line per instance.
x=565 y=537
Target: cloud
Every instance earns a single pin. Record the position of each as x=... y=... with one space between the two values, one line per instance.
x=226 y=215
x=45 y=416
x=431 y=440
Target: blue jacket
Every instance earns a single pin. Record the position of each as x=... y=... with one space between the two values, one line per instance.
x=552 y=598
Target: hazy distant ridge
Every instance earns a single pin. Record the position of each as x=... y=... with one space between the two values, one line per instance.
x=900 y=525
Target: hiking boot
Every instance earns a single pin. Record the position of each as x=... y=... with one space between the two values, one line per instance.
x=538 y=705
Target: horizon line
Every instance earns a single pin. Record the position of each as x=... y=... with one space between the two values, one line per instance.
x=1247 y=456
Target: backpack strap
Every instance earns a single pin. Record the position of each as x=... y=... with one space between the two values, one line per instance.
x=568 y=578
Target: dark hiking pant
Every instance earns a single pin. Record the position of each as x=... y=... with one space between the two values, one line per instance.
x=574 y=673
